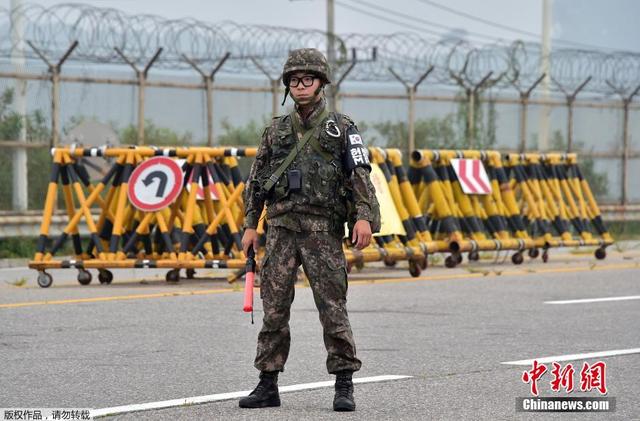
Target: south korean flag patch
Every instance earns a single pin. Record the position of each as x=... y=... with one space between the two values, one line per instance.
x=357 y=154
x=355 y=139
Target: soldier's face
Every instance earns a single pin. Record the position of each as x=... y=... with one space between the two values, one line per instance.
x=304 y=95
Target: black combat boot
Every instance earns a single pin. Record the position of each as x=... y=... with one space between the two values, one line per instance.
x=343 y=400
x=265 y=394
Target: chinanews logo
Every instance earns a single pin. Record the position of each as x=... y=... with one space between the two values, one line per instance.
x=592 y=378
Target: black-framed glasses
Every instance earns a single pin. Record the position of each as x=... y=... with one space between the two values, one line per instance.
x=306 y=81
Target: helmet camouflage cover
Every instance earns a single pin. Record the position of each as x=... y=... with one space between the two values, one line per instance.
x=306 y=60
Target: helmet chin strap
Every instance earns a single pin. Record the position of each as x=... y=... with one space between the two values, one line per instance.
x=286 y=93
x=315 y=94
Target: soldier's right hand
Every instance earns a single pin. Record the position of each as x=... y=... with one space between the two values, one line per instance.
x=249 y=238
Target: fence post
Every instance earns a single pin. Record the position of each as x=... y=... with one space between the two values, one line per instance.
x=208 y=86
x=524 y=104
x=471 y=97
x=335 y=88
x=411 y=94
x=626 y=101
x=54 y=70
x=274 y=83
x=141 y=76
x=571 y=98
x=20 y=197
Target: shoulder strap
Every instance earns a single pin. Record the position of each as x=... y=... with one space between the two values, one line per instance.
x=315 y=144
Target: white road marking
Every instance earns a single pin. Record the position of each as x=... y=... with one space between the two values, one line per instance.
x=226 y=396
x=594 y=300
x=570 y=357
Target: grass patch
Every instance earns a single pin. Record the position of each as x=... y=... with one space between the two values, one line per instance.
x=25 y=247
x=624 y=230
x=18 y=283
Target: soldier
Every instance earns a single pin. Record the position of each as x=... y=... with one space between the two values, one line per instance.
x=312 y=171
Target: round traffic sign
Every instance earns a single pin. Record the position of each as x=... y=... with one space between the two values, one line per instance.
x=155 y=184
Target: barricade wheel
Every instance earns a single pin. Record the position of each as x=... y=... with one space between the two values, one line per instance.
x=474 y=256
x=424 y=263
x=450 y=262
x=534 y=253
x=458 y=258
x=414 y=269
x=601 y=253
x=517 y=259
x=389 y=262
x=44 y=279
x=84 y=277
x=545 y=256
x=191 y=273
x=105 y=276
x=173 y=275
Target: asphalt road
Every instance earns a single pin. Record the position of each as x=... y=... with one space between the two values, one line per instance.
x=140 y=340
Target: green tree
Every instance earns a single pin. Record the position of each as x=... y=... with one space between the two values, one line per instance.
x=598 y=181
x=38 y=160
x=247 y=135
x=154 y=135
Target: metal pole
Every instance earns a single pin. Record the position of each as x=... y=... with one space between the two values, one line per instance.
x=55 y=112
x=523 y=122
x=625 y=146
x=524 y=105
x=274 y=82
x=212 y=76
x=471 y=95
x=141 y=80
x=625 y=153
x=209 y=92
x=545 y=67
x=570 y=125
x=570 y=100
x=412 y=116
x=54 y=70
x=411 y=143
x=412 y=109
x=20 y=198
x=335 y=89
x=331 y=54
x=208 y=87
x=470 y=118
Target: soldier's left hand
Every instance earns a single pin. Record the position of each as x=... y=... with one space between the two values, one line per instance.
x=361 y=234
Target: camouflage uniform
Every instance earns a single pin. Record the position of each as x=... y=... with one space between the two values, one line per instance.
x=306 y=227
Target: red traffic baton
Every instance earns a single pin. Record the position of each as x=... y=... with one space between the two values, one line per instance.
x=249 y=276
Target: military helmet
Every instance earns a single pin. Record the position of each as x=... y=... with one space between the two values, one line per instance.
x=306 y=60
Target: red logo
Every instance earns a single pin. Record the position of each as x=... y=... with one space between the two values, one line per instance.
x=591 y=377
x=594 y=377
x=534 y=375
x=562 y=377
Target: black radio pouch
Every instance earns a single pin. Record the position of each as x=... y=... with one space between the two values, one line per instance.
x=294 y=178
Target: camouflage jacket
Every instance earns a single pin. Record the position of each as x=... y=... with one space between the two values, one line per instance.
x=325 y=201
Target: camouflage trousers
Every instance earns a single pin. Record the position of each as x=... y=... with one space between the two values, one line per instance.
x=322 y=259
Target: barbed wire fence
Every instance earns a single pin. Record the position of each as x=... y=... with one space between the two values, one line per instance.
x=66 y=55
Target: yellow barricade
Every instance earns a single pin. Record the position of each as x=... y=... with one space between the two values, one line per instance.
x=556 y=202
x=531 y=195
x=186 y=234
x=535 y=202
